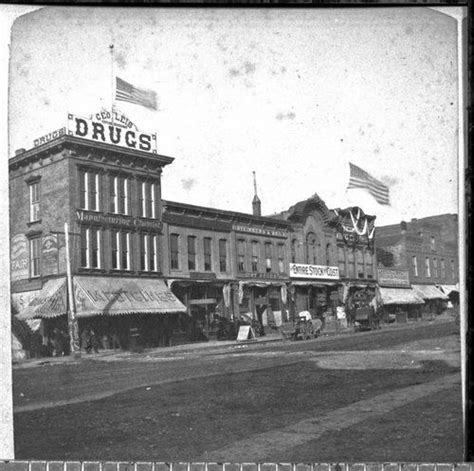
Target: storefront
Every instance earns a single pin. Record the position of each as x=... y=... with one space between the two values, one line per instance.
x=119 y=312
x=396 y=300
x=436 y=302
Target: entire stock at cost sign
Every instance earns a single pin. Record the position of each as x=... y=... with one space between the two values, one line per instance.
x=322 y=272
x=108 y=133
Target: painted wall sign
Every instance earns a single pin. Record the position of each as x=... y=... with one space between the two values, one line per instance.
x=323 y=272
x=99 y=131
x=393 y=277
x=19 y=263
x=118 y=220
x=260 y=275
x=260 y=231
x=50 y=136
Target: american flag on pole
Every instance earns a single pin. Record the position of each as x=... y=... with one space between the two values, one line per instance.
x=361 y=179
x=125 y=91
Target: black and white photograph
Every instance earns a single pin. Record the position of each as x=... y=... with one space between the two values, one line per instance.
x=235 y=235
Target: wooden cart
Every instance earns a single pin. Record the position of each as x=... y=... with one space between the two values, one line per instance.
x=301 y=329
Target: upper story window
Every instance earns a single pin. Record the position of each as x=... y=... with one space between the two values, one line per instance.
x=341 y=258
x=350 y=263
x=369 y=263
x=207 y=254
x=281 y=258
x=311 y=248
x=174 y=251
x=255 y=255
x=360 y=263
x=35 y=198
x=453 y=270
x=435 y=268
x=294 y=244
x=191 y=253
x=35 y=257
x=119 y=195
x=148 y=252
x=414 y=265
x=148 y=199
x=120 y=247
x=90 y=247
x=241 y=255
x=268 y=257
x=432 y=243
x=442 y=268
x=89 y=184
x=222 y=255
x=427 y=267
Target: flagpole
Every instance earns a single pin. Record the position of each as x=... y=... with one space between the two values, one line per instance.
x=111 y=47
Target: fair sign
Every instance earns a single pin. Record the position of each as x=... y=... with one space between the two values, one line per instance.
x=320 y=272
x=100 y=130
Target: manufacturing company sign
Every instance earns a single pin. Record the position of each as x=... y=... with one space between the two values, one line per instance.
x=260 y=231
x=393 y=277
x=321 y=272
x=111 y=132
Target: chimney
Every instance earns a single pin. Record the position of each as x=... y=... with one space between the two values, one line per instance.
x=403 y=227
x=19 y=151
x=256 y=204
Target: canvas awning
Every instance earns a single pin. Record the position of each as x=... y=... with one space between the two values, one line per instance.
x=429 y=292
x=50 y=302
x=96 y=296
x=318 y=283
x=399 y=296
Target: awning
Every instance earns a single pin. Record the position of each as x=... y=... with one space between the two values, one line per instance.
x=320 y=284
x=429 y=292
x=96 y=296
x=262 y=284
x=50 y=302
x=448 y=289
x=399 y=296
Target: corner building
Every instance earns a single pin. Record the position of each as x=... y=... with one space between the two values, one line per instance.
x=110 y=197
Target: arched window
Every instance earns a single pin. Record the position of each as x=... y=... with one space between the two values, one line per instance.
x=312 y=246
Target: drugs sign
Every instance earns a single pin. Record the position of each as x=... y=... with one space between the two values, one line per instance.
x=108 y=133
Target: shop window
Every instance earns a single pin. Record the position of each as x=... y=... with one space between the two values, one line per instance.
x=294 y=245
x=191 y=253
x=222 y=255
x=435 y=268
x=341 y=257
x=255 y=255
x=432 y=243
x=268 y=257
x=120 y=247
x=119 y=195
x=207 y=254
x=360 y=263
x=174 y=251
x=148 y=252
x=350 y=264
x=148 y=199
x=90 y=247
x=89 y=185
x=241 y=255
x=414 y=265
x=35 y=257
x=427 y=267
x=281 y=258
x=443 y=268
x=35 y=197
x=369 y=263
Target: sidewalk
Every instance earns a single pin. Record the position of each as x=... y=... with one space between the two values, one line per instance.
x=215 y=345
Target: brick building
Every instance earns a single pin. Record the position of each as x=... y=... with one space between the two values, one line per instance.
x=103 y=180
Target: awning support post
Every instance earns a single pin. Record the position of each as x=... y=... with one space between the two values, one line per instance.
x=71 y=313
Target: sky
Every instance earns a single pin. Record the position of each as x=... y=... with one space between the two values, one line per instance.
x=292 y=94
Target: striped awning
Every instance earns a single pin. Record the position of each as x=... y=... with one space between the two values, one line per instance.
x=50 y=302
x=429 y=292
x=399 y=296
x=95 y=296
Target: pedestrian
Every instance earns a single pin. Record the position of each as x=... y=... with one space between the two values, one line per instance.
x=86 y=340
x=94 y=341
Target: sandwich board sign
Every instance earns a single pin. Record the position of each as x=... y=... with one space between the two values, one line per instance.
x=245 y=333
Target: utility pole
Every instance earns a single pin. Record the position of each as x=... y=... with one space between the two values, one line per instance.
x=71 y=313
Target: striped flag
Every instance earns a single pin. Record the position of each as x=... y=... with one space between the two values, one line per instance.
x=125 y=91
x=361 y=179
